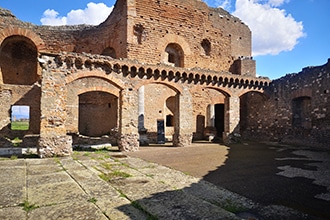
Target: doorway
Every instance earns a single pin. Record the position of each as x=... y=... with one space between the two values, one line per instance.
x=219 y=119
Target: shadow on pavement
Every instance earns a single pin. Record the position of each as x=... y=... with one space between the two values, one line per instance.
x=251 y=170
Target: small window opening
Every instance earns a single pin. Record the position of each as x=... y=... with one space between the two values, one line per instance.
x=206 y=45
x=169 y=121
x=20 y=117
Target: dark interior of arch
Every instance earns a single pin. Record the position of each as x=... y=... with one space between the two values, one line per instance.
x=18 y=61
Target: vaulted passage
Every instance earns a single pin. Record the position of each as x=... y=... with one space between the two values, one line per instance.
x=97 y=113
x=18 y=61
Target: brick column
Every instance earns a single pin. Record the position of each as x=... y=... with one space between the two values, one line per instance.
x=128 y=120
x=232 y=118
x=53 y=140
x=183 y=120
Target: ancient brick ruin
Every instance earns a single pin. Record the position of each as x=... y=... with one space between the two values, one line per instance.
x=154 y=71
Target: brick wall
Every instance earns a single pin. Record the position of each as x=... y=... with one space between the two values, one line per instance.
x=294 y=109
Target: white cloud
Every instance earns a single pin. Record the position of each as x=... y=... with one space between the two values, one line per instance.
x=94 y=14
x=277 y=3
x=50 y=17
x=273 y=30
x=225 y=4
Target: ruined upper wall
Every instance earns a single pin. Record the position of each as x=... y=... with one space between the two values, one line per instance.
x=297 y=109
x=201 y=37
x=190 y=24
x=54 y=38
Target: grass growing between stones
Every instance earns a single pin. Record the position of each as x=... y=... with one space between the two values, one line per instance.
x=92 y=200
x=136 y=205
x=139 y=207
x=28 y=207
x=232 y=207
x=114 y=175
x=13 y=157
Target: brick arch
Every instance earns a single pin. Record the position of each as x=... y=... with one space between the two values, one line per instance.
x=174 y=86
x=226 y=92
x=303 y=92
x=11 y=31
x=98 y=74
x=99 y=89
x=252 y=90
x=172 y=38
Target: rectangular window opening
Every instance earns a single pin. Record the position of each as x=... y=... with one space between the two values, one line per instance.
x=20 y=117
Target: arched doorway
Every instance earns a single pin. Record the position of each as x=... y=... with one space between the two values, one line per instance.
x=18 y=61
x=98 y=113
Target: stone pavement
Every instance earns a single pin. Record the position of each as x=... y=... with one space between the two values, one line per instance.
x=111 y=185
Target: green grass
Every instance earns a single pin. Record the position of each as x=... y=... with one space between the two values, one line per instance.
x=232 y=207
x=92 y=200
x=28 y=207
x=113 y=175
x=20 y=125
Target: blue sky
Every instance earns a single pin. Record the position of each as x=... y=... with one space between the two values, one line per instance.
x=20 y=111
x=288 y=35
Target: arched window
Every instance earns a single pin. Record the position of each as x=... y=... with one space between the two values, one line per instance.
x=175 y=54
x=18 y=61
x=109 y=51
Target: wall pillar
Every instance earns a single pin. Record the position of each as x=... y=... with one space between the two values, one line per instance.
x=53 y=140
x=128 y=120
x=141 y=107
x=183 y=120
x=211 y=115
x=232 y=118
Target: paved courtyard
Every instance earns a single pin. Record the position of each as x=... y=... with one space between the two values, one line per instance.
x=204 y=181
x=290 y=176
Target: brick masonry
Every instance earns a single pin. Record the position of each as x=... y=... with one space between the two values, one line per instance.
x=193 y=62
x=294 y=109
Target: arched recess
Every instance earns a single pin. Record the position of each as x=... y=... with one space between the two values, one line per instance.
x=106 y=95
x=209 y=111
x=175 y=55
x=98 y=113
x=159 y=104
x=171 y=106
x=109 y=51
x=169 y=39
x=18 y=61
x=252 y=108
